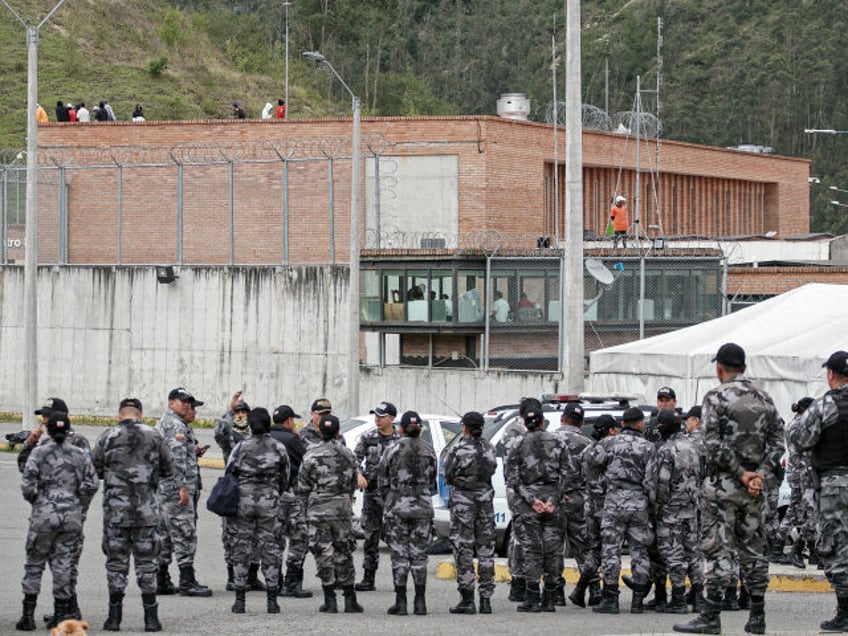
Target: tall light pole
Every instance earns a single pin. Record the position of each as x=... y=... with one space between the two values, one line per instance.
x=287 y=5
x=353 y=361
x=30 y=391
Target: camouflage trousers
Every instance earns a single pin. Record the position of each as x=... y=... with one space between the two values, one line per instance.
x=659 y=570
x=372 y=528
x=332 y=543
x=59 y=549
x=832 y=541
x=575 y=529
x=678 y=542
x=229 y=536
x=293 y=526
x=255 y=536
x=771 y=517
x=801 y=513
x=140 y=542
x=631 y=523
x=540 y=537
x=473 y=530
x=733 y=527
x=408 y=540
x=593 y=537
x=515 y=553
x=179 y=533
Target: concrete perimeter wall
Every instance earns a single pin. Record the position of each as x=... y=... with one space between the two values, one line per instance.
x=278 y=333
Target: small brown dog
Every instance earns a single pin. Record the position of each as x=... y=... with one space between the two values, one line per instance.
x=70 y=627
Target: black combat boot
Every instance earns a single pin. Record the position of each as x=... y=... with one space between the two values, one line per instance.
x=272 y=607
x=578 y=594
x=609 y=600
x=595 y=595
x=367 y=582
x=293 y=583
x=660 y=595
x=230 y=586
x=27 y=620
x=61 y=611
x=466 y=603
x=189 y=585
x=677 y=605
x=757 y=616
x=814 y=556
x=330 y=606
x=838 y=623
x=549 y=599
x=75 y=608
x=559 y=595
x=351 y=605
x=164 y=585
x=637 y=605
x=399 y=608
x=517 y=589
x=731 y=601
x=698 y=598
x=532 y=598
x=253 y=582
x=744 y=597
x=239 y=605
x=796 y=557
x=419 y=602
x=708 y=621
x=485 y=605
x=116 y=612
x=151 y=613
x=777 y=555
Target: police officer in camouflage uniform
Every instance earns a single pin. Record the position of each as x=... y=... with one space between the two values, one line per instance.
x=407 y=482
x=326 y=482
x=536 y=470
x=515 y=557
x=628 y=464
x=573 y=518
x=743 y=436
x=678 y=497
x=59 y=481
x=822 y=430
x=593 y=505
x=57 y=405
x=179 y=521
x=131 y=458
x=261 y=465
x=310 y=433
x=468 y=468
x=369 y=451
x=801 y=512
x=292 y=515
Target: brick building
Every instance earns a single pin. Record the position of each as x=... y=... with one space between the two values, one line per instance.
x=258 y=191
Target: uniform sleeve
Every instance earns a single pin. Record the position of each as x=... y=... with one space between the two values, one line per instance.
x=167 y=469
x=665 y=467
x=650 y=483
x=224 y=434
x=565 y=465
x=88 y=484
x=804 y=431
x=97 y=455
x=285 y=468
x=29 y=481
x=304 y=478
x=434 y=484
x=775 y=445
x=23 y=456
x=384 y=472
x=450 y=464
x=359 y=451
x=170 y=431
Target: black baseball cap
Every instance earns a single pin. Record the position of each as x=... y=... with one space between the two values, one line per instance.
x=384 y=408
x=695 y=411
x=195 y=402
x=668 y=416
x=132 y=402
x=573 y=411
x=837 y=362
x=241 y=406
x=731 y=355
x=284 y=412
x=632 y=414
x=58 y=421
x=329 y=426
x=51 y=405
x=666 y=392
x=321 y=405
x=473 y=421
x=410 y=418
x=181 y=394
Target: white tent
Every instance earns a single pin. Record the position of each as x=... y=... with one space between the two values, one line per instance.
x=786 y=340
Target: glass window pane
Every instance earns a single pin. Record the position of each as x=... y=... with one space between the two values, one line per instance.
x=441 y=292
x=369 y=295
x=500 y=296
x=417 y=295
x=392 y=293
x=531 y=295
x=553 y=308
x=469 y=286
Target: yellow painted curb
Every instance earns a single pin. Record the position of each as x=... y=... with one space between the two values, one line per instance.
x=210 y=463
x=446 y=570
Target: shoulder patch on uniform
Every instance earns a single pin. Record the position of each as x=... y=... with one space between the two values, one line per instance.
x=180 y=437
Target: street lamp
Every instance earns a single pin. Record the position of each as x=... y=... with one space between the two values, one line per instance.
x=287 y=5
x=353 y=362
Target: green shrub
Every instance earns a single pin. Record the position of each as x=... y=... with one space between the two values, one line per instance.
x=157 y=66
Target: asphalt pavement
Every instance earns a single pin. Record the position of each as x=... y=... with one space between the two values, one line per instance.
x=786 y=612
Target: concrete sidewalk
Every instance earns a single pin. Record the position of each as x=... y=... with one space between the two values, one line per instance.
x=784 y=578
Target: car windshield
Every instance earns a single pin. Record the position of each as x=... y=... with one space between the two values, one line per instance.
x=349 y=425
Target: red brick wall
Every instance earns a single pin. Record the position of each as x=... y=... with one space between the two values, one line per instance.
x=776 y=280
x=502 y=173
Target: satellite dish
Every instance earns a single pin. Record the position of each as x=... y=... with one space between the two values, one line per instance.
x=599 y=271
